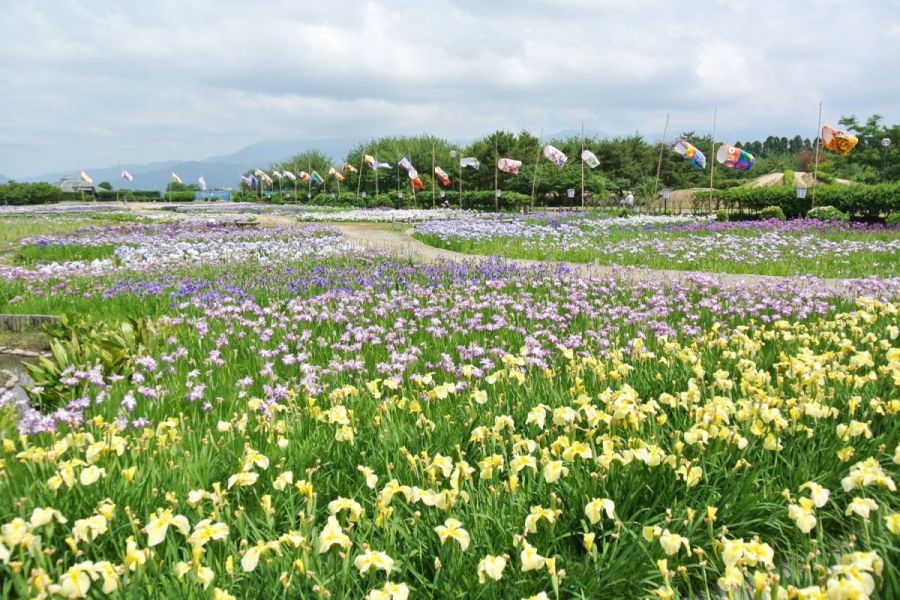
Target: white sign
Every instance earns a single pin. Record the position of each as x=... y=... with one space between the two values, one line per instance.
x=571 y=192
x=308 y=195
x=497 y=193
x=400 y=195
x=665 y=193
x=443 y=193
x=363 y=194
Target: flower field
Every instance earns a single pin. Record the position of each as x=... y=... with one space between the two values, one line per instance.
x=281 y=414
x=772 y=247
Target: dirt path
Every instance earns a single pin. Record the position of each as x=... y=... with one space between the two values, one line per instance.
x=395 y=240
x=402 y=245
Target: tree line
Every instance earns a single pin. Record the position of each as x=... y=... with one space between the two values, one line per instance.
x=627 y=163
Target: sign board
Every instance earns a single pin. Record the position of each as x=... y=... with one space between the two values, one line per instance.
x=308 y=195
x=400 y=195
x=497 y=193
x=665 y=193
x=570 y=192
x=443 y=193
x=363 y=194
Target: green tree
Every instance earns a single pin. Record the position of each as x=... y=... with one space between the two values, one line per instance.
x=105 y=185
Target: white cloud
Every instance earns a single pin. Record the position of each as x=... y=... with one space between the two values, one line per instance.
x=94 y=83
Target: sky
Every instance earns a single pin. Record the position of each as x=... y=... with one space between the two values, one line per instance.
x=103 y=82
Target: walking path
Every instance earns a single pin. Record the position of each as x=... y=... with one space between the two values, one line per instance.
x=401 y=244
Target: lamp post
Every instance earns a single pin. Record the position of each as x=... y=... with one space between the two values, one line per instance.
x=801 y=194
x=885 y=145
x=665 y=195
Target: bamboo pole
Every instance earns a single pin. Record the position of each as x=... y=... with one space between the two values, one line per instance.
x=712 y=157
x=309 y=180
x=582 y=164
x=496 y=174
x=662 y=147
x=537 y=163
x=459 y=161
x=359 y=174
x=432 y=174
x=816 y=167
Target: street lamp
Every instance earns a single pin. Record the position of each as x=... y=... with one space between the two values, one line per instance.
x=885 y=145
x=801 y=194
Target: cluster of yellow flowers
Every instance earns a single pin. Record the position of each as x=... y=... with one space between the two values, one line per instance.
x=543 y=439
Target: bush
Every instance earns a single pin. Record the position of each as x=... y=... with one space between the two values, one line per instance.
x=22 y=194
x=772 y=212
x=788 y=178
x=721 y=215
x=857 y=199
x=893 y=218
x=827 y=213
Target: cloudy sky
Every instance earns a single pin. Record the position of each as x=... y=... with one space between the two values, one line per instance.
x=101 y=82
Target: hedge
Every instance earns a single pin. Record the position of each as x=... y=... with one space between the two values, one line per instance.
x=859 y=199
x=21 y=194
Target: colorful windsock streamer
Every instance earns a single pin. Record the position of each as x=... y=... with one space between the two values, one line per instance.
x=471 y=162
x=442 y=176
x=734 y=158
x=509 y=165
x=590 y=159
x=176 y=178
x=838 y=141
x=316 y=178
x=127 y=175
x=555 y=155
x=690 y=152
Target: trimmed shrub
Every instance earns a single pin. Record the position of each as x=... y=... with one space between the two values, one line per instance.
x=827 y=213
x=22 y=194
x=893 y=218
x=772 y=212
x=721 y=215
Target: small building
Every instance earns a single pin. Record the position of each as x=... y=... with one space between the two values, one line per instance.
x=74 y=183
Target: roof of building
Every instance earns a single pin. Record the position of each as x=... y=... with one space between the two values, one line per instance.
x=74 y=183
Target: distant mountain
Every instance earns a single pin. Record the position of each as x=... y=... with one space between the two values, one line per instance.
x=219 y=171
x=261 y=154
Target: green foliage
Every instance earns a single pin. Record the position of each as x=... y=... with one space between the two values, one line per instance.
x=34 y=254
x=20 y=194
x=83 y=345
x=827 y=213
x=789 y=178
x=893 y=218
x=105 y=185
x=859 y=199
x=174 y=186
x=721 y=215
x=178 y=196
x=772 y=212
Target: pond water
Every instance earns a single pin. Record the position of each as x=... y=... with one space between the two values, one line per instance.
x=15 y=365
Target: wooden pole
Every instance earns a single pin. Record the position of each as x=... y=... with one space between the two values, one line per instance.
x=432 y=174
x=496 y=174
x=537 y=163
x=359 y=174
x=309 y=180
x=459 y=160
x=712 y=157
x=816 y=167
x=662 y=146
x=582 y=165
